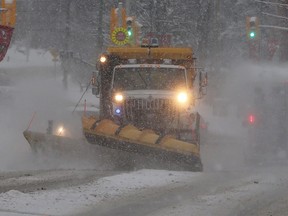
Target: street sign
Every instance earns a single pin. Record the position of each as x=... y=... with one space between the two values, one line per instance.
x=5 y=38
x=120 y=36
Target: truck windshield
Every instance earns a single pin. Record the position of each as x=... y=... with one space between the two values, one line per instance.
x=152 y=78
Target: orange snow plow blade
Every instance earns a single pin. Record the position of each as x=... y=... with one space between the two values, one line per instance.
x=142 y=142
x=41 y=142
x=144 y=147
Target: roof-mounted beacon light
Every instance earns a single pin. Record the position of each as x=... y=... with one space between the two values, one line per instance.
x=154 y=42
x=145 y=42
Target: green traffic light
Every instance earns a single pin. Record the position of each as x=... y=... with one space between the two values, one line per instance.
x=252 y=35
x=129 y=31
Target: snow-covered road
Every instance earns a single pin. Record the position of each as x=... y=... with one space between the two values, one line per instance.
x=147 y=192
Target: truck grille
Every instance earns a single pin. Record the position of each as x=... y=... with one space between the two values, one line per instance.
x=166 y=106
x=155 y=114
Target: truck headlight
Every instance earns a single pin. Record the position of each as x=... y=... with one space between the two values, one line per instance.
x=118 y=98
x=182 y=97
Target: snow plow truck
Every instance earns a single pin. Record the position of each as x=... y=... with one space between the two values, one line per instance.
x=147 y=103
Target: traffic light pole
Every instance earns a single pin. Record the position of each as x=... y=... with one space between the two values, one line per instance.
x=127 y=6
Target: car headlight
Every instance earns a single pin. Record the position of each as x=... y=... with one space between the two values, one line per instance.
x=118 y=97
x=60 y=131
x=182 y=97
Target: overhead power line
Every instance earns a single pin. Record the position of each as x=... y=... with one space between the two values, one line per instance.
x=271 y=3
x=275 y=27
x=273 y=15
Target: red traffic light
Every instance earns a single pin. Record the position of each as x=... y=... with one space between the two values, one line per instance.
x=251 y=119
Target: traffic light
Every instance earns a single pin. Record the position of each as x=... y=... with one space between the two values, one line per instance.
x=129 y=24
x=130 y=32
x=251 y=119
x=252 y=28
x=252 y=34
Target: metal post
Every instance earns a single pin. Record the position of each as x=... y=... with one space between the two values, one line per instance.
x=152 y=16
x=120 y=8
x=128 y=7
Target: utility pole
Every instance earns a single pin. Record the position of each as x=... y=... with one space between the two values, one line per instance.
x=67 y=24
x=217 y=43
x=216 y=52
x=100 y=26
x=66 y=57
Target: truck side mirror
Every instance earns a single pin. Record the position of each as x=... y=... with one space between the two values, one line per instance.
x=95 y=86
x=203 y=81
x=95 y=90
